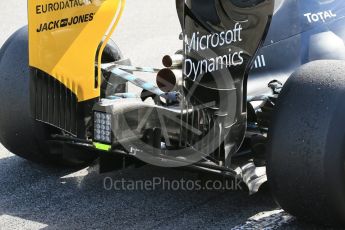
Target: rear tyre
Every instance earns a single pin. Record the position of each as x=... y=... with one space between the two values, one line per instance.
x=306 y=151
x=20 y=133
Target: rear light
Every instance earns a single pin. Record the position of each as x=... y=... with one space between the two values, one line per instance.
x=102 y=127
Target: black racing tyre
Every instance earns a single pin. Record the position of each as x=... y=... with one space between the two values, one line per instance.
x=20 y=133
x=111 y=53
x=111 y=86
x=306 y=150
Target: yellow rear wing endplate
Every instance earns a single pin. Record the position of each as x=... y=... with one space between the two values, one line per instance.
x=64 y=36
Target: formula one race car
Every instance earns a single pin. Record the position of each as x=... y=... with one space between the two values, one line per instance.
x=256 y=84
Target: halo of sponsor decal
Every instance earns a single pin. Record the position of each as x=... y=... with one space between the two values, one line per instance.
x=320 y=16
x=199 y=43
x=65 y=22
x=47 y=8
x=61 y=5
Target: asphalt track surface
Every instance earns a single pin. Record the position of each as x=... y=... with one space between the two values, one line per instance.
x=38 y=197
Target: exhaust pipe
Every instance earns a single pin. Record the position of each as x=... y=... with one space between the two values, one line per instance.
x=173 y=61
x=168 y=80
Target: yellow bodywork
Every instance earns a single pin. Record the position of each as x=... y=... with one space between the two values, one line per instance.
x=64 y=36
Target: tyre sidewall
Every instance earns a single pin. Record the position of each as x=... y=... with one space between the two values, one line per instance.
x=306 y=144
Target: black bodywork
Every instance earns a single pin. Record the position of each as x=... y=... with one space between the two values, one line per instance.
x=231 y=101
x=300 y=32
x=205 y=126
